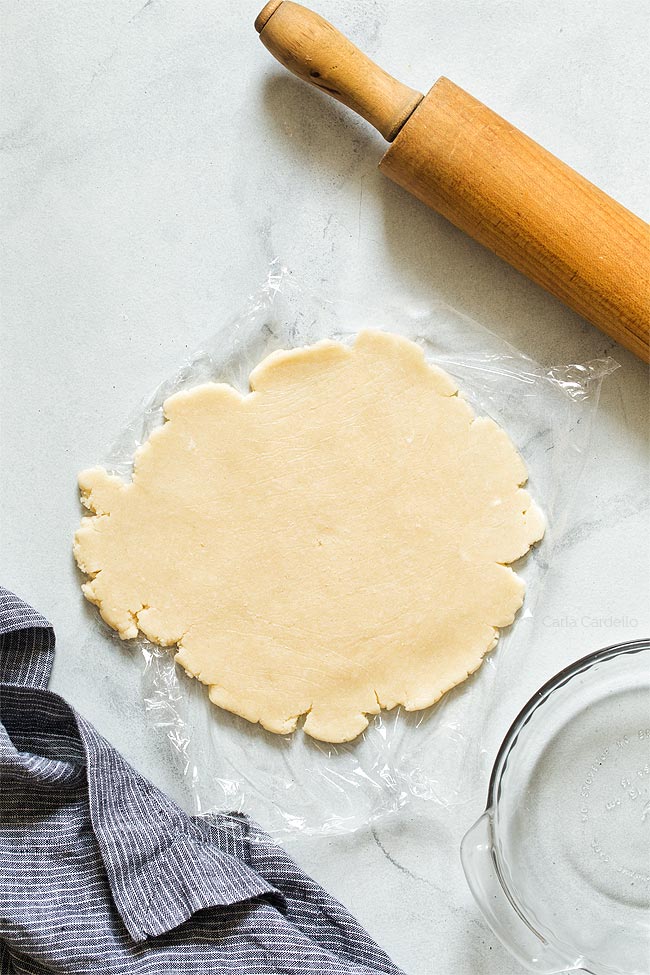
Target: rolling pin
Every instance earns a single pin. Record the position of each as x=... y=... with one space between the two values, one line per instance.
x=485 y=176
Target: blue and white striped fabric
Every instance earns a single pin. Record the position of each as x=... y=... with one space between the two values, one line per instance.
x=102 y=873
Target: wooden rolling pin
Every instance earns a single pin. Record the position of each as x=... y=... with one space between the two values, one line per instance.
x=485 y=176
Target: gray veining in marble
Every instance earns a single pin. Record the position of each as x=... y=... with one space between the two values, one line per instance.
x=155 y=159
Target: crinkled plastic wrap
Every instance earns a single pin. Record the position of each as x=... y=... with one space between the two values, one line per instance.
x=295 y=783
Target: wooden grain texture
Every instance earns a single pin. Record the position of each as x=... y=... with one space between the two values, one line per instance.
x=486 y=176
x=315 y=51
x=503 y=189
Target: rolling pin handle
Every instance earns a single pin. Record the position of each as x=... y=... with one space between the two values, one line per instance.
x=265 y=15
x=484 y=176
x=315 y=51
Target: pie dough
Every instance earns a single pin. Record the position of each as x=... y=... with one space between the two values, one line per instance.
x=333 y=543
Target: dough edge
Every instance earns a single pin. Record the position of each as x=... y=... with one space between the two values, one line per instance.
x=98 y=489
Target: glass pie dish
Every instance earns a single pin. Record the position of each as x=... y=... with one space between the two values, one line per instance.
x=559 y=862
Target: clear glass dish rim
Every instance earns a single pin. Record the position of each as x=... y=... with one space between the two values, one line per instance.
x=509 y=743
x=540 y=697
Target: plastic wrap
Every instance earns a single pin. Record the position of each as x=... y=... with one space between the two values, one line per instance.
x=294 y=783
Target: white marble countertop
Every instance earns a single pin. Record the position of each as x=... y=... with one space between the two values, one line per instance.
x=155 y=159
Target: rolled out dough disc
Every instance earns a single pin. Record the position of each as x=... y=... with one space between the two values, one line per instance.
x=332 y=543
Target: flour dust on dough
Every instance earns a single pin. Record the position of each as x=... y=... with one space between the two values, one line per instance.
x=333 y=543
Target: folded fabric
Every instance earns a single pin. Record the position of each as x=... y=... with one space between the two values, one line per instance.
x=101 y=872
